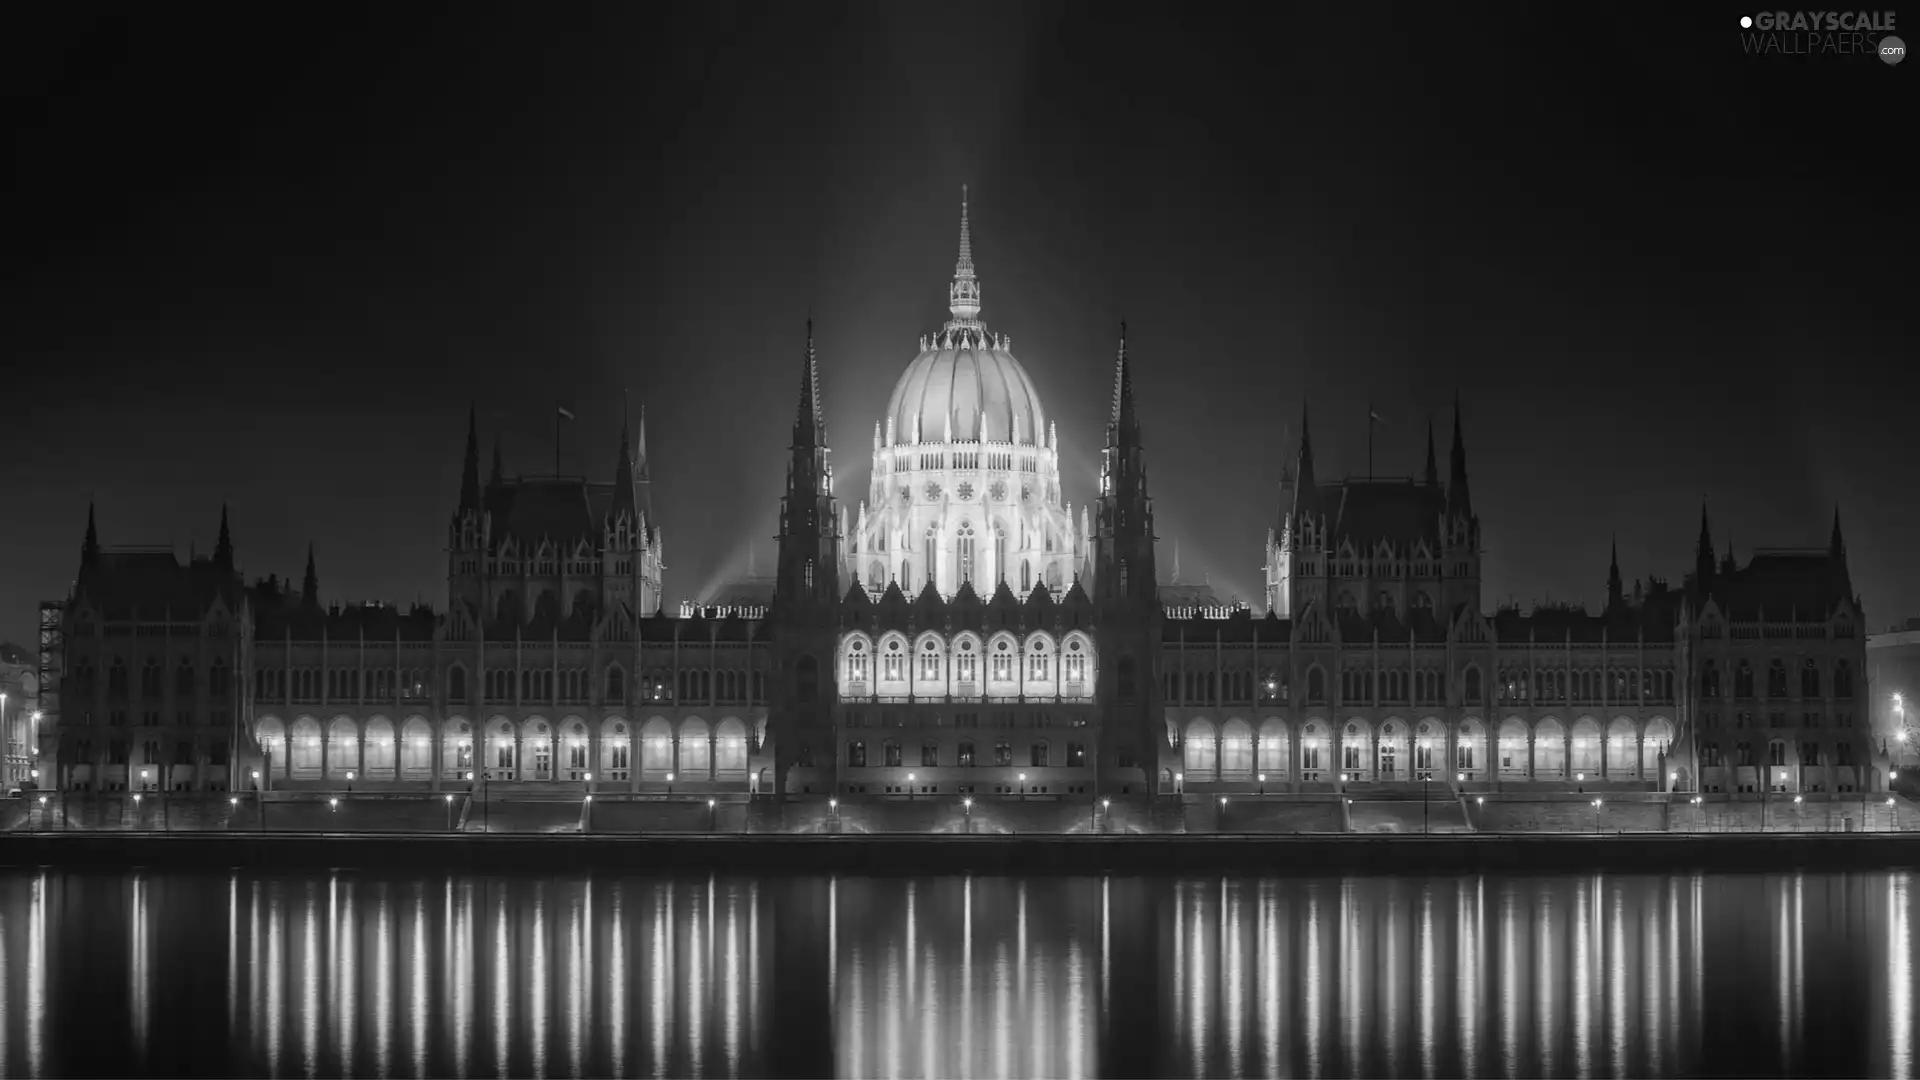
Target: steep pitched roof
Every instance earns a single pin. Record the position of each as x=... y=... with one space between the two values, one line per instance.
x=1366 y=512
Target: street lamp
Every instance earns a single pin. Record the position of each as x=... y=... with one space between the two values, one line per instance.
x=449 y=813
x=910 y=779
x=1263 y=783
x=1596 y=815
x=966 y=805
x=669 y=783
x=1106 y=808
x=1023 y=787
x=349 y=781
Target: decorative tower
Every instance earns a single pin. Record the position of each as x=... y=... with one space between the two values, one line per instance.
x=1837 y=559
x=963 y=296
x=1126 y=592
x=630 y=580
x=1461 y=548
x=310 y=585
x=467 y=532
x=90 y=547
x=1616 y=591
x=806 y=590
x=1703 y=571
x=1296 y=566
x=223 y=548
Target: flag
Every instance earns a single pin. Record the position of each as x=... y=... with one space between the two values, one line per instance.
x=1374 y=416
x=564 y=412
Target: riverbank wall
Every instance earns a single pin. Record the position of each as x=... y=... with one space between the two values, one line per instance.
x=949 y=854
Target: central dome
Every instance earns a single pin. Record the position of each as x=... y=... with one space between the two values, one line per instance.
x=965 y=386
x=971 y=382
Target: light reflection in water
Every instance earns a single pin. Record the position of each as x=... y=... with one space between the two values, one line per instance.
x=961 y=977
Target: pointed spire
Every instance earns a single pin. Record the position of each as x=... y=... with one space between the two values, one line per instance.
x=1433 y=462
x=1124 y=417
x=1459 y=498
x=963 y=297
x=809 y=429
x=1837 y=544
x=223 y=548
x=310 y=584
x=624 y=502
x=90 y=547
x=1176 y=561
x=470 y=468
x=1616 y=595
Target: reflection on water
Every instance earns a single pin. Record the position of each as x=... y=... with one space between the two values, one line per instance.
x=429 y=975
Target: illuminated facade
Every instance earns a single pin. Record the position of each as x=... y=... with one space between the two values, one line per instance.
x=967 y=634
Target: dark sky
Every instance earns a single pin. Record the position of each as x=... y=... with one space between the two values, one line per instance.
x=271 y=262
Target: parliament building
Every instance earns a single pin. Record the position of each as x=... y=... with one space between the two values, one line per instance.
x=962 y=631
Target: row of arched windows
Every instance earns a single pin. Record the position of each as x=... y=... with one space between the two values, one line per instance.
x=1778 y=680
x=84 y=681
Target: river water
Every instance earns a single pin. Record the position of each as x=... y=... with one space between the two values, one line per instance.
x=437 y=975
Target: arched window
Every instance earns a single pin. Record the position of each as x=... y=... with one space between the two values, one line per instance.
x=616 y=686
x=1473 y=686
x=1777 y=678
x=964 y=548
x=1743 y=680
x=999 y=553
x=1316 y=685
x=933 y=551
x=457 y=684
x=1810 y=679
x=1842 y=680
x=1026 y=576
x=1710 y=681
x=117 y=678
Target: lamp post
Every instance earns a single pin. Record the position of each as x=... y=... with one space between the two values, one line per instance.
x=1106 y=813
x=1596 y=817
x=43 y=811
x=449 y=813
x=1799 y=819
x=712 y=815
x=833 y=814
x=966 y=807
x=910 y=781
x=1023 y=787
x=1223 y=813
x=1263 y=785
x=669 y=783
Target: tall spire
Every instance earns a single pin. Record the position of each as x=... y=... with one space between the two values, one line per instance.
x=470 y=470
x=809 y=429
x=1459 y=497
x=223 y=548
x=1433 y=463
x=90 y=547
x=1123 y=414
x=1703 y=555
x=310 y=584
x=1616 y=591
x=623 y=480
x=642 y=473
x=963 y=296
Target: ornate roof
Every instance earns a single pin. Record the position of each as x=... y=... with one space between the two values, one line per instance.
x=965 y=384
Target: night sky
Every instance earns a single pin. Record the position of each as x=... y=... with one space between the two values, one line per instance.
x=272 y=263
